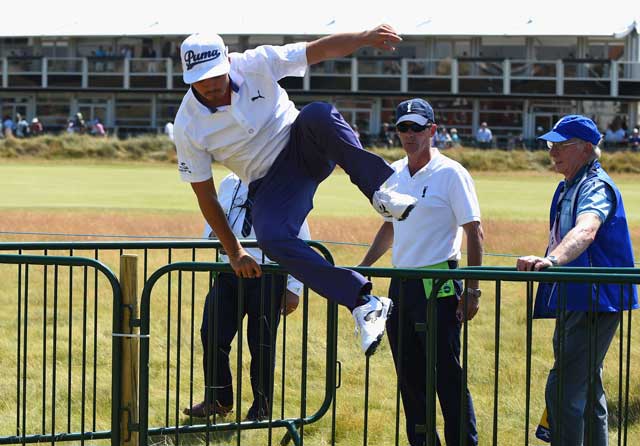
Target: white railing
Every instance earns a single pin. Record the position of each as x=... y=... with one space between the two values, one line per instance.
x=386 y=74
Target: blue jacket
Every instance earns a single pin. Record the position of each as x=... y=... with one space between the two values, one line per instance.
x=611 y=248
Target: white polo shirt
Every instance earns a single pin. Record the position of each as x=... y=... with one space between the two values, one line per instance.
x=248 y=135
x=447 y=199
x=232 y=194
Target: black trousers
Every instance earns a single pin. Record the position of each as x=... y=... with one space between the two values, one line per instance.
x=413 y=358
x=261 y=304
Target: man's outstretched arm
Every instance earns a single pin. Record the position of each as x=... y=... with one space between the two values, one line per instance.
x=242 y=263
x=335 y=46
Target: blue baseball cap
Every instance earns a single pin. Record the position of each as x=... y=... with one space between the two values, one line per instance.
x=415 y=110
x=574 y=126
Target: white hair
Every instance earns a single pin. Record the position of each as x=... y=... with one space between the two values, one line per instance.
x=595 y=151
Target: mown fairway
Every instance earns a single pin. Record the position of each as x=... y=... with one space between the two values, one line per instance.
x=148 y=199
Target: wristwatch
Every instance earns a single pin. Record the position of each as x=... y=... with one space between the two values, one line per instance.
x=474 y=292
x=553 y=260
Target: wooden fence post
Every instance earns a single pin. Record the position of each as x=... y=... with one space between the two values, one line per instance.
x=130 y=351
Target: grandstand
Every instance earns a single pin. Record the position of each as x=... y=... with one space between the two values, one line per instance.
x=518 y=71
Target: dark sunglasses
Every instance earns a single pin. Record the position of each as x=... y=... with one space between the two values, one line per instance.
x=404 y=127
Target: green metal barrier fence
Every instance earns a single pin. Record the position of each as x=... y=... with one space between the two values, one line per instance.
x=167 y=372
x=291 y=424
x=27 y=386
x=624 y=277
x=153 y=253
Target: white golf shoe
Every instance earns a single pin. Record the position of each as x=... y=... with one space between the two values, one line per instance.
x=390 y=203
x=371 y=319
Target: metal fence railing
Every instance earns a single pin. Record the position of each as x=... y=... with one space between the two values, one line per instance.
x=625 y=416
x=59 y=371
x=322 y=390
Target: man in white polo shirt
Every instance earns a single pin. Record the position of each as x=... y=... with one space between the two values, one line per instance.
x=237 y=114
x=431 y=237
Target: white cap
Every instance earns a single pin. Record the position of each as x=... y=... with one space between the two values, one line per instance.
x=203 y=56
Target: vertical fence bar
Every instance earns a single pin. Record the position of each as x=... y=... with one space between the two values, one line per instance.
x=400 y=355
x=261 y=327
x=432 y=346
x=130 y=349
x=18 y=348
x=178 y=352
x=463 y=387
x=284 y=364
x=528 y=360
x=592 y=359
x=192 y=338
x=365 y=434
x=84 y=356
x=557 y=428
x=24 y=352
x=70 y=343
x=95 y=342
x=303 y=372
x=332 y=316
x=240 y=316
x=620 y=364
x=626 y=397
x=273 y=327
x=496 y=371
x=44 y=348
x=54 y=358
x=168 y=355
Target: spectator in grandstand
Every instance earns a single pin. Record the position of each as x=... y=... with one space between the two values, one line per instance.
x=441 y=139
x=168 y=130
x=97 y=129
x=263 y=314
x=588 y=228
x=78 y=123
x=36 y=127
x=430 y=238
x=615 y=135
x=8 y=126
x=22 y=126
x=283 y=155
x=484 y=137
x=150 y=53
x=455 y=138
x=126 y=51
x=385 y=138
x=100 y=54
x=634 y=140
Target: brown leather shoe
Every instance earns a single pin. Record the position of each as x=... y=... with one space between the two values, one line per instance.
x=199 y=410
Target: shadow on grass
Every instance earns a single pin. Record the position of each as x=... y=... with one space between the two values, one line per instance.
x=615 y=412
x=200 y=438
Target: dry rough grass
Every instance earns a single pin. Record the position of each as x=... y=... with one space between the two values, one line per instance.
x=502 y=236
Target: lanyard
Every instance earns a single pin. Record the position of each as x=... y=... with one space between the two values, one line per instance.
x=554 y=234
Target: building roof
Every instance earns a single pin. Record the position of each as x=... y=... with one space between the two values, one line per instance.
x=293 y=17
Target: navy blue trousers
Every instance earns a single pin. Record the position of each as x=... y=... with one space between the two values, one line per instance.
x=412 y=373
x=261 y=304
x=320 y=139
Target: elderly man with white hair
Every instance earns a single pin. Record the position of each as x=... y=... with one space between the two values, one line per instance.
x=588 y=228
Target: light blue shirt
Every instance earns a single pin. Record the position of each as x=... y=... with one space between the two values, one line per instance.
x=595 y=197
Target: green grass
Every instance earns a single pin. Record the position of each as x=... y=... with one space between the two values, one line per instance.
x=154 y=189
x=147 y=187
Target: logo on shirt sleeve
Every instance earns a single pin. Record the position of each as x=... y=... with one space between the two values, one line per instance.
x=184 y=168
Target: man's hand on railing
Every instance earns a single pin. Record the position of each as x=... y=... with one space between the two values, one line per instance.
x=244 y=265
x=533 y=263
x=473 y=305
